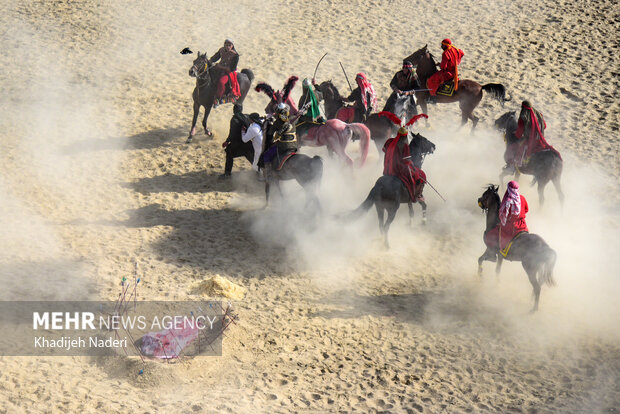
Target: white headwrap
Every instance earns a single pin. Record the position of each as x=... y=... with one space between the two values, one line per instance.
x=511 y=203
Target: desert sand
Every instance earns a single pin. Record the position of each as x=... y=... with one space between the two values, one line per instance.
x=96 y=176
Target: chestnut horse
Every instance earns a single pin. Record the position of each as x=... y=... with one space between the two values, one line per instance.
x=468 y=95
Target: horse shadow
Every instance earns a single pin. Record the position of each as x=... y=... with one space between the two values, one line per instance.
x=217 y=241
x=437 y=310
x=144 y=140
x=199 y=182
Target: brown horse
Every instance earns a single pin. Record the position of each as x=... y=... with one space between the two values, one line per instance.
x=535 y=255
x=204 y=92
x=468 y=95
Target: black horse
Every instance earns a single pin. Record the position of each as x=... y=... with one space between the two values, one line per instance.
x=204 y=92
x=380 y=127
x=306 y=170
x=389 y=192
x=535 y=255
x=234 y=146
x=545 y=166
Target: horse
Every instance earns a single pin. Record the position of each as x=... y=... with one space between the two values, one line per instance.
x=306 y=170
x=468 y=94
x=535 y=255
x=334 y=134
x=380 y=127
x=389 y=192
x=545 y=166
x=235 y=147
x=204 y=92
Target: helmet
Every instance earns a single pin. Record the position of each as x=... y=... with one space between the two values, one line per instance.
x=307 y=83
x=283 y=110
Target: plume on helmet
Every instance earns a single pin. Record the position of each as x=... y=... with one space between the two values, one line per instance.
x=288 y=87
x=263 y=87
x=415 y=118
x=389 y=115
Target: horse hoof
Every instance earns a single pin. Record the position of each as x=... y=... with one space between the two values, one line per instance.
x=208 y=133
x=189 y=139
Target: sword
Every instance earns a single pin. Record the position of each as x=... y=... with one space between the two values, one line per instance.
x=444 y=200
x=317 y=66
x=345 y=76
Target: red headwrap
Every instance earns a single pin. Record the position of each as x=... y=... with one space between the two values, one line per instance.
x=366 y=86
x=446 y=42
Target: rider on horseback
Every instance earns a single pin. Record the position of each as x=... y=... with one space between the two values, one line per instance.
x=281 y=138
x=363 y=97
x=225 y=69
x=450 y=59
x=404 y=83
x=512 y=213
x=310 y=98
x=397 y=162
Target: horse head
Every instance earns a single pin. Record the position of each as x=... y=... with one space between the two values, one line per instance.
x=507 y=122
x=424 y=62
x=489 y=198
x=330 y=92
x=201 y=66
x=421 y=145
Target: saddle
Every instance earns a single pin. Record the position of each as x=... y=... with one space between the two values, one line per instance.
x=446 y=88
x=505 y=247
x=278 y=162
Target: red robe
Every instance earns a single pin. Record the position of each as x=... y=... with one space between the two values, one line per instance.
x=502 y=234
x=530 y=132
x=450 y=59
x=395 y=165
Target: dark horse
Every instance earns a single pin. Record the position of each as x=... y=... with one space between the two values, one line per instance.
x=204 y=92
x=235 y=147
x=545 y=166
x=380 y=127
x=306 y=170
x=535 y=255
x=389 y=192
x=468 y=95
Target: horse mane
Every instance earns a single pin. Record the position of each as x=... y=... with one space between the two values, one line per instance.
x=264 y=87
x=288 y=87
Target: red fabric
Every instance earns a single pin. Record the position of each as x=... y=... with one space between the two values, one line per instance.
x=346 y=114
x=502 y=235
x=536 y=141
x=366 y=87
x=221 y=86
x=450 y=58
x=436 y=80
x=395 y=165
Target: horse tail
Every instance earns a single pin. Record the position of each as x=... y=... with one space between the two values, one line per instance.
x=362 y=132
x=249 y=74
x=364 y=207
x=498 y=91
x=546 y=275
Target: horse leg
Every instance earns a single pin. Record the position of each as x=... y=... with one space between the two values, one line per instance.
x=410 y=205
x=379 y=207
x=192 y=130
x=339 y=149
x=498 y=266
x=204 y=121
x=541 y=192
x=423 y=205
x=391 y=209
x=267 y=189
x=558 y=188
x=531 y=270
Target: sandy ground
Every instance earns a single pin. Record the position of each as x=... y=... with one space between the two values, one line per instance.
x=95 y=176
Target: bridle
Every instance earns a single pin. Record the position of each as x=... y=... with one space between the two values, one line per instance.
x=204 y=74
